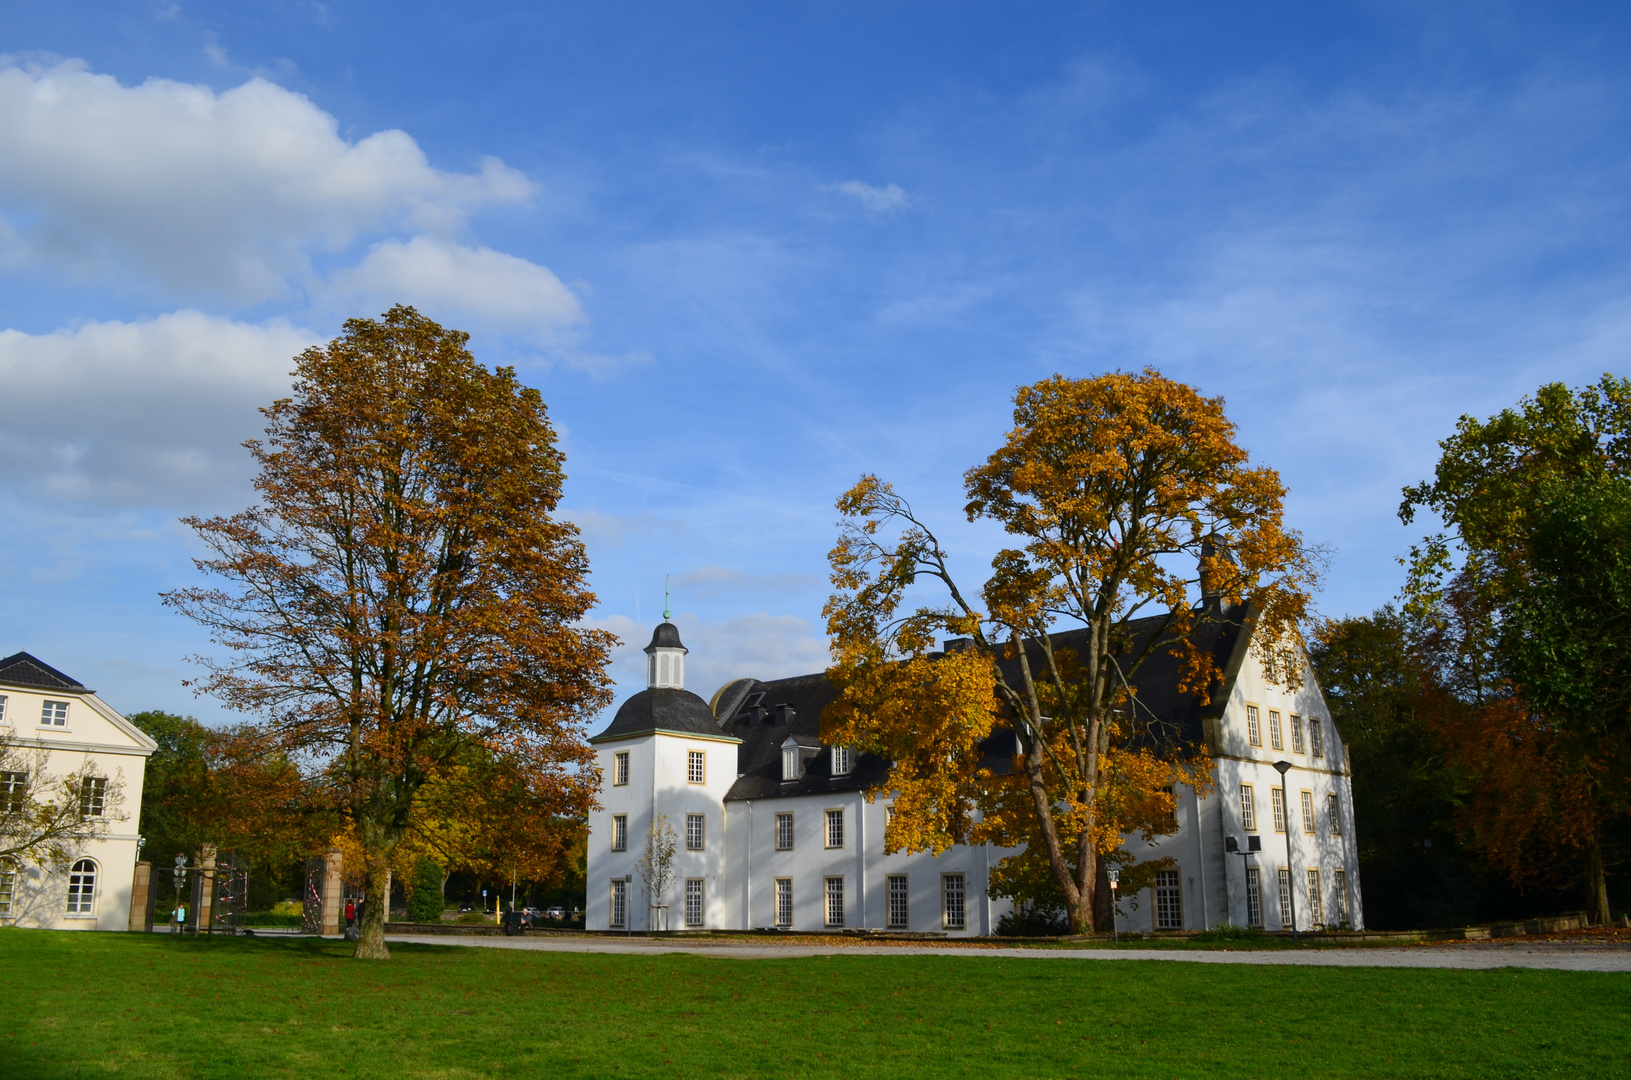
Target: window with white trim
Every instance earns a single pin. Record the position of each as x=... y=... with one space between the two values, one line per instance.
x=784 y=901
x=54 y=714
x=1339 y=895
x=1296 y=734
x=695 y=767
x=784 y=832
x=835 y=828
x=1169 y=903
x=1285 y=898
x=900 y=908
x=620 y=832
x=1316 y=736
x=1308 y=812
x=8 y=888
x=840 y=761
x=696 y=832
x=1254 y=897
x=1254 y=730
x=1248 y=808
x=835 y=901
x=1277 y=738
x=1277 y=800
x=1333 y=813
x=792 y=763
x=93 y=792
x=2 y=709
x=620 y=904
x=82 y=888
x=1316 y=912
x=693 y=901
x=13 y=792
x=620 y=768
x=953 y=908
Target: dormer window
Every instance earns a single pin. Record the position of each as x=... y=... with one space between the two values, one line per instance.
x=792 y=760
x=841 y=761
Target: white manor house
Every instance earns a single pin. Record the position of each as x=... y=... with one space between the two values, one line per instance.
x=775 y=831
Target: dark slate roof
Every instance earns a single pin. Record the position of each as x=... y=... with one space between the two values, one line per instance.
x=771 y=711
x=21 y=669
x=666 y=636
x=662 y=709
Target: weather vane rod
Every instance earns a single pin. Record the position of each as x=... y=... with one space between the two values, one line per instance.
x=666 y=614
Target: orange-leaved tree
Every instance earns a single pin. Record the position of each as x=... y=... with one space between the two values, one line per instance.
x=403 y=587
x=1127 y=491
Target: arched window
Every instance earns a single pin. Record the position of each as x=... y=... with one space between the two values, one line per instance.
x=82 y=888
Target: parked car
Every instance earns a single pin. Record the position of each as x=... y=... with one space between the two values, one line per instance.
x=465 y=909
x=555 y=913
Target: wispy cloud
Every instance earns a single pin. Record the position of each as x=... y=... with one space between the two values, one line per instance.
x=880 y=200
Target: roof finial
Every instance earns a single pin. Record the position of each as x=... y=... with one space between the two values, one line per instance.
x=666 y=613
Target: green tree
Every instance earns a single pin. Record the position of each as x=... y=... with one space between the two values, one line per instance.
x=425 y=900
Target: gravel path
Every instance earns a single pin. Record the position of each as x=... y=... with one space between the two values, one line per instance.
x=1479 y=955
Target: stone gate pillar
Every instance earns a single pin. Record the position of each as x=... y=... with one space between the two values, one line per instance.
x=333 y=894
x=141 y=899
x=206 y=894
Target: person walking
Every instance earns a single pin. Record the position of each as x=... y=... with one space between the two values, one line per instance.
x=180 y=917
x=350 y=914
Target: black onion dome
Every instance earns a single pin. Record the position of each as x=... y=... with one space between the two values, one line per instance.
x=666 y=636
x=662 y=709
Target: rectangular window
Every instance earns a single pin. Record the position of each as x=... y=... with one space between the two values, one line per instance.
x=1254 y=731
x=792 y=764
x=693 y=901
x=1296 y=734
x=1285 y=899
x=2 y=709
x=1254 y=897
x=694 y=770
x=620 y=904
x=784 y=832
x=93 y=792
x=840 y=761
x=620 y=832
x=1339 y=895
x=13 y=792
x=1316 y=915
x=696 y=826
x=1277 y=737
x=953 y=907
x=54 y=714
x=1277 y=800
x=1333 y=812
x=1169 y=902
x=835 y=828
x=900 y=910
x=1316 y=736
x=784 y=901
x=8 y=888
x=835 y=901
x=1308 y=812
x=1248 y=808
x=620 y=769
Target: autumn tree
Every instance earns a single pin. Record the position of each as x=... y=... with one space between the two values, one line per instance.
x=48 y=814
x=1140 y=521
x=403 y=586
x=1523 y=576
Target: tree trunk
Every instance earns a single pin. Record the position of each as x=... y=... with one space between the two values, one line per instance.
x=371 y=935
x=1596 y=886
x=1104 y=897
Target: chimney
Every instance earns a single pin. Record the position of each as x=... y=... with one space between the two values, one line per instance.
x=785 y=714
x=1213 y=547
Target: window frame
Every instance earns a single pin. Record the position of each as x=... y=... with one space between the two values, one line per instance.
x=792 y=764
x=3 y=700
x=787 y=816
x=827 y=896
x=1339 y=890
x=1333 y=813
x=1316 y=903
x=1254 y=725
x=1168 y=887
x=946 y=880
x=77 y=907
x=700 y=821
x=13 y=792
x=1316 y=738
x=620 y=832
x=782 y=893
x=1248 y=808
x=1298 y=745
x=1277 y=804
x=93 y=796
x=618 y=901
x=1282 y=881
x=828 y=818
x=696 y=766
x=620 y=769
x=1306 y=798
x=46 y=714
x=1254 y=897
x=1277 y=732
x=904 y=896
x=841 y=754
x=696 y=900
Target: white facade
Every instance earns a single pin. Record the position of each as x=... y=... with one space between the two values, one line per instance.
x=45 y=710
x=814 y=860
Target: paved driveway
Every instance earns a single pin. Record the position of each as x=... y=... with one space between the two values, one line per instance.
x=1473 y=955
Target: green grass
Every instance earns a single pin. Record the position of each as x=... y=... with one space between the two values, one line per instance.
x=79 y=1004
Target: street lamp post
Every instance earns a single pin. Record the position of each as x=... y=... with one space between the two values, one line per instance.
x=1115 y=924
x=1283 y=767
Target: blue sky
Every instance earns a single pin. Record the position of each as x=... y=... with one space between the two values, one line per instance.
x=750 y=251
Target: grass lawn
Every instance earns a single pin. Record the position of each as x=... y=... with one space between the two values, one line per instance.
x=79 y=1004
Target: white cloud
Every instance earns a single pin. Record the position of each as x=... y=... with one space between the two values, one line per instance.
x=225 y=192
x=877 y=199
x=147 y=412
x=448 y=281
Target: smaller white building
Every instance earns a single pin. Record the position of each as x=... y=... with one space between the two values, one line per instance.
x=41 y=709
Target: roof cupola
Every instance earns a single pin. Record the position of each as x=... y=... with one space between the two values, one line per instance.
x=665 y=658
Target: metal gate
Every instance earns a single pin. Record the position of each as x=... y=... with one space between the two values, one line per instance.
x=311 y=906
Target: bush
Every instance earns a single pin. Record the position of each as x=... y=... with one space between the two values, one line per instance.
x=425 y=895
x=1036 y=923
x=270 y=918
x=1230 y=934
x=474 y=917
